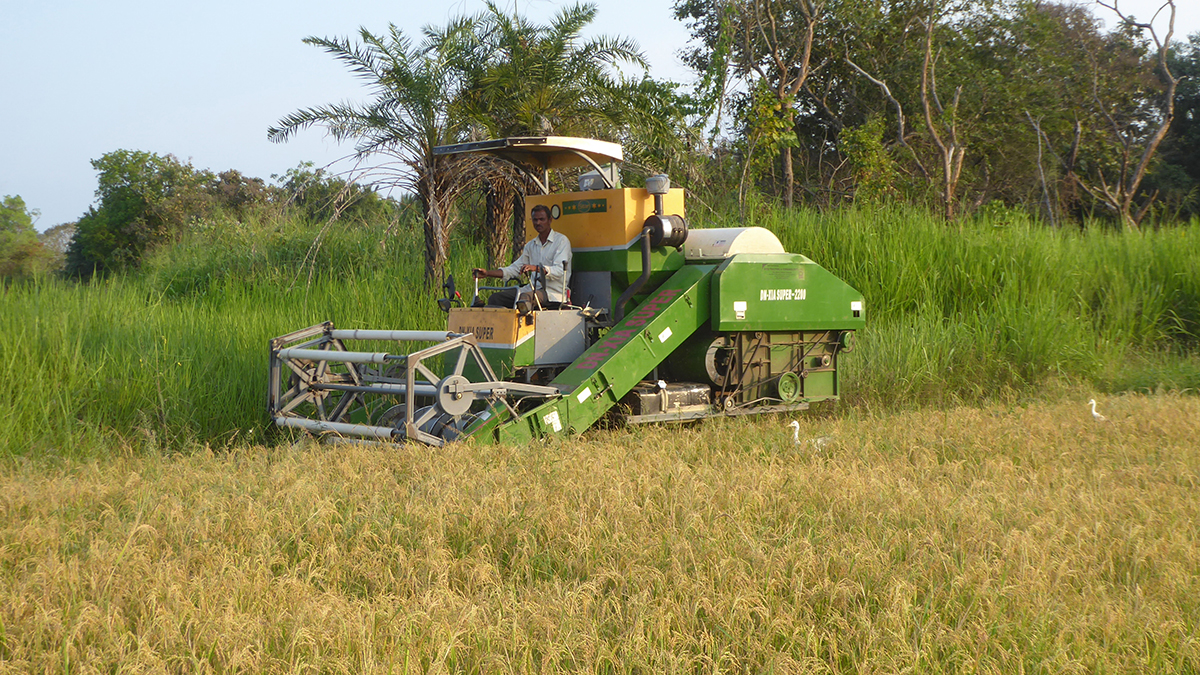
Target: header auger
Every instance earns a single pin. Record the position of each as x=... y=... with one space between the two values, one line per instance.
x=672 y=324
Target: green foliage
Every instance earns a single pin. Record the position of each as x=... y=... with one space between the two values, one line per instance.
x=709 y=22
x=173 y=353
x=524 y=78
x=487 y=75
x=15 y=218
x=767 y=128
x=278 y=251
x=144 y=199
x=663 y=134
x=874 y=169
x=21 y=253
x=237 y=194
x=321 y=197
x=1178 y=177
x=416 y=87
x=1025 y=103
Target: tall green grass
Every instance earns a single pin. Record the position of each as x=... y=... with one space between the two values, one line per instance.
x=176 y=354
x=1002 y=305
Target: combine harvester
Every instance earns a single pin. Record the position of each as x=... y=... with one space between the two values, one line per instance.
x=667 y=323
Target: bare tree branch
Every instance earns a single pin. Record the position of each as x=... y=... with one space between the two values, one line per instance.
x=900 y=119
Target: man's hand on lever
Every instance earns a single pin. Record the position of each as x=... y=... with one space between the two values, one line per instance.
x=480 y=273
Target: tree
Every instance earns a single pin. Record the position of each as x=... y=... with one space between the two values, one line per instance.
x=318 y=195
x=144 y=199
x=56 y=240
x=931 y=34
x=237 y=194
x=528 y=79
x=15 y=217
x=21 y=254
x=415 y=88
x=978 y=96
x=1135 y=129
x=942 y=122
x=1180 y=152
x=769 y=44
x=775 y=40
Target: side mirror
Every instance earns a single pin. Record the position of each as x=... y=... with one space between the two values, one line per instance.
x=452 y=295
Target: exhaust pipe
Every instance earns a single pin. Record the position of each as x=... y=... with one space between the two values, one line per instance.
x=641 y=280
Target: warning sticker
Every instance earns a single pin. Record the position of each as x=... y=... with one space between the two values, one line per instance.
x=551 y=420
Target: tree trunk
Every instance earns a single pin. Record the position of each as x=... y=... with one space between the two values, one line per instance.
x=789 y=178
x=1128 y=187
x=1128 y=222
x=436 y=236
x=518 y=225
x=499 y=200
x=435 y=262
x=949 y=184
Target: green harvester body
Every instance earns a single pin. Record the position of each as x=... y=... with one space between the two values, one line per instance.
x=719 y=322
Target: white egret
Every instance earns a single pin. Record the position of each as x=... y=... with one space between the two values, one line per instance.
x=1095 y=415
x=817 y=443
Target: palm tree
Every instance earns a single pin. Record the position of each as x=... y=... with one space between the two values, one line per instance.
x=409 y=114
x=490 y=75
x=545 y=79
x=525 y=79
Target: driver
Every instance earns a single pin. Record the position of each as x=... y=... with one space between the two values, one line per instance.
x=548 y=254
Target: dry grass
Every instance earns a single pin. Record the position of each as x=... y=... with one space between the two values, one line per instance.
x=996 y=540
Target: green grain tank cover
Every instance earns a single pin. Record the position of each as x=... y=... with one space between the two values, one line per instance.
x=782 y=292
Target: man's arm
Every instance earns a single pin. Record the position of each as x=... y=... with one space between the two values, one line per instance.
x=511 y=271
x=518 y=266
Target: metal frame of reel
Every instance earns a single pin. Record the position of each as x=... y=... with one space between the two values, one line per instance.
x=319 y=386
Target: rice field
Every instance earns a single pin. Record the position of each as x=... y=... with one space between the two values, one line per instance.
x=959 y=511
x=997 y=539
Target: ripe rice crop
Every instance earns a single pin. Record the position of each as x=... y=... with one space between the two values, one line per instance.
x=1001 y=539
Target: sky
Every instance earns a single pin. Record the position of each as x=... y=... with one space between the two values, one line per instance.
x=204 y=80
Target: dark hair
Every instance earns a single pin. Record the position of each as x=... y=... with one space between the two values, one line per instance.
x=540 y=207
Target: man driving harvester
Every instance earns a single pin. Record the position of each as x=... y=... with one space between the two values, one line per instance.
x=548 y=255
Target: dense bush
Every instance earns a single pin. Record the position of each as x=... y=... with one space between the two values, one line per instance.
x=21 y=253
x=146 y=200
x=321 y=196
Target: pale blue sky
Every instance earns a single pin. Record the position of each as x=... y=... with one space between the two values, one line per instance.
x=204 y=80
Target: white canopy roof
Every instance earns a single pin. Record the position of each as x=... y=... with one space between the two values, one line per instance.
x=542 y=152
